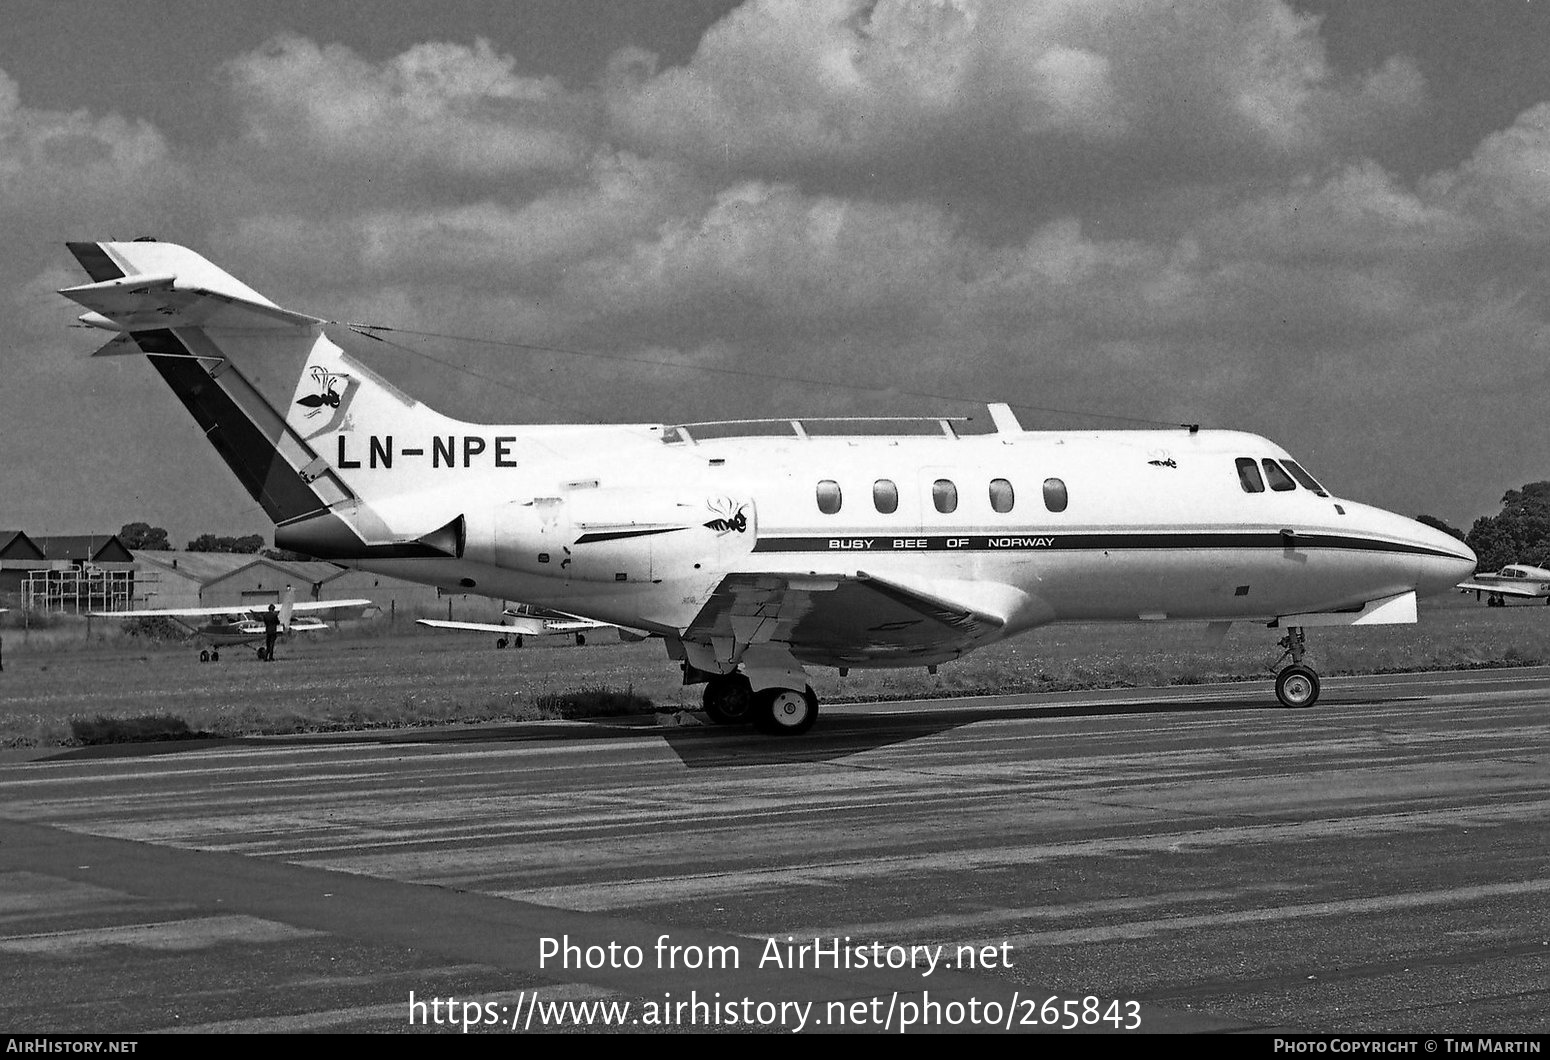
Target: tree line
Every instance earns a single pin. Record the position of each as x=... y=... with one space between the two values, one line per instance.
x=145 y=537
x=1519 y=533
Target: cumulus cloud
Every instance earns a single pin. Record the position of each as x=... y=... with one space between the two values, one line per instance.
x=1506 y=182
x=51 y=159
x=781 y=85
x=439 y=107
x=792 y=256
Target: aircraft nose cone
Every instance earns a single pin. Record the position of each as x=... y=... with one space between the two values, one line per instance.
x=1446 y=562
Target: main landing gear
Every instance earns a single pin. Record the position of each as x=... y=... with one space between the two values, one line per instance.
x=209 y=655
x=1297 y=685
x=730 y=700
x=501 y=642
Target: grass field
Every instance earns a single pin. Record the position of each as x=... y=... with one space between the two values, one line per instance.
x=61 y=687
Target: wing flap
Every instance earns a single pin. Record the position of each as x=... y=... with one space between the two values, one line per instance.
x=851 y=618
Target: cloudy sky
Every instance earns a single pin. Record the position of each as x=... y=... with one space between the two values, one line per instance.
x=1322 y=221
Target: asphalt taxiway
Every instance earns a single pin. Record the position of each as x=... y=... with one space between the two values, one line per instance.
x=1193 y=858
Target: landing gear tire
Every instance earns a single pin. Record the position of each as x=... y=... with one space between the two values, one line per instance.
x=500 y=642
x=581 y=640
x=215 y=656
x=728 y=700
x=1297 y=686
x=785 y=711
x=204 y=655
x=516 y=642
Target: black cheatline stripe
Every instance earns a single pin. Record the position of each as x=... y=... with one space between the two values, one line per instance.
x=1057 y=542
x=615 y=535
x=95 y=261
x=249 y=453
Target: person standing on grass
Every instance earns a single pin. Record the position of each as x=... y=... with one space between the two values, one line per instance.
x=271 y=631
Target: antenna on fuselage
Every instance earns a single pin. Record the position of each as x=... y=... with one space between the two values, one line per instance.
x=1005 y=419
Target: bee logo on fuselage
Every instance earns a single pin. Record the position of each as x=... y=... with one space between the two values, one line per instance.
x=730 y=516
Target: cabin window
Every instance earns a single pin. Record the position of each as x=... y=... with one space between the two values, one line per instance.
x=828 y=496
x=945 y=496
x=1279 y=480
x=885 y=496
x=1001 y=496
x=1305 y=480
x=1055 y=495
x=1248 y=476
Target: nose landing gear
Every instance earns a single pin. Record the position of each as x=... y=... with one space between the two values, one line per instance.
x=1297 y=685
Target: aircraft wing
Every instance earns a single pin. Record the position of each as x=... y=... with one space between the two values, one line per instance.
x=840 y=619
x=524 y=625
x=1506 y=588
x=332 y=608
x=174 y=612
x=531 y=628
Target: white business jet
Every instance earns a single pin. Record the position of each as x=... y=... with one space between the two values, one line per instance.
x=757 y=550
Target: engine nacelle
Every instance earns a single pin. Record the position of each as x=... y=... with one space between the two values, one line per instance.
x=612 y=535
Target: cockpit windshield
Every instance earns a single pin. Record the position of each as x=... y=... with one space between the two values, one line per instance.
x=1305 y=480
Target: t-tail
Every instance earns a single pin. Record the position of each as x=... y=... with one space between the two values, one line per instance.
x=307 y=429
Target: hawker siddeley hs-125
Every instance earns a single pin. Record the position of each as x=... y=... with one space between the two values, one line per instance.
x=756 y=550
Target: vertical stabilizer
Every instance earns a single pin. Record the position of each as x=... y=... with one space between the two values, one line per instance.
x=228 y=353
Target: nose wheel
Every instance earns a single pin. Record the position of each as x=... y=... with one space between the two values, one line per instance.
x=1297 y=685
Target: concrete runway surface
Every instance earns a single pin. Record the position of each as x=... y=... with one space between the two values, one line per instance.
x=1185 y=859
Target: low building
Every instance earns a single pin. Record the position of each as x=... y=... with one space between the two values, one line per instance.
x=19 y=556
x=84 y=572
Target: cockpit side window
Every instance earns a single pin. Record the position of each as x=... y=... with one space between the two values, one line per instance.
x=1305 y=480
x=1248 y=476
x=1279 y=480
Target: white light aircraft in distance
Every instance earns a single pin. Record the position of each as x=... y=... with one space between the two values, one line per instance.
x=1515 y=579
x=524 y=621
x=757 y=550
x=222 y=626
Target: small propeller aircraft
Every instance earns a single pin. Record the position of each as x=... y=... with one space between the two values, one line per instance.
x=1515 y=579
x=524 y=620
x=223 y=626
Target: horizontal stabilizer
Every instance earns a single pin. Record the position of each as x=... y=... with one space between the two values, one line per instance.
x=119 y=346
x=145 y=303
